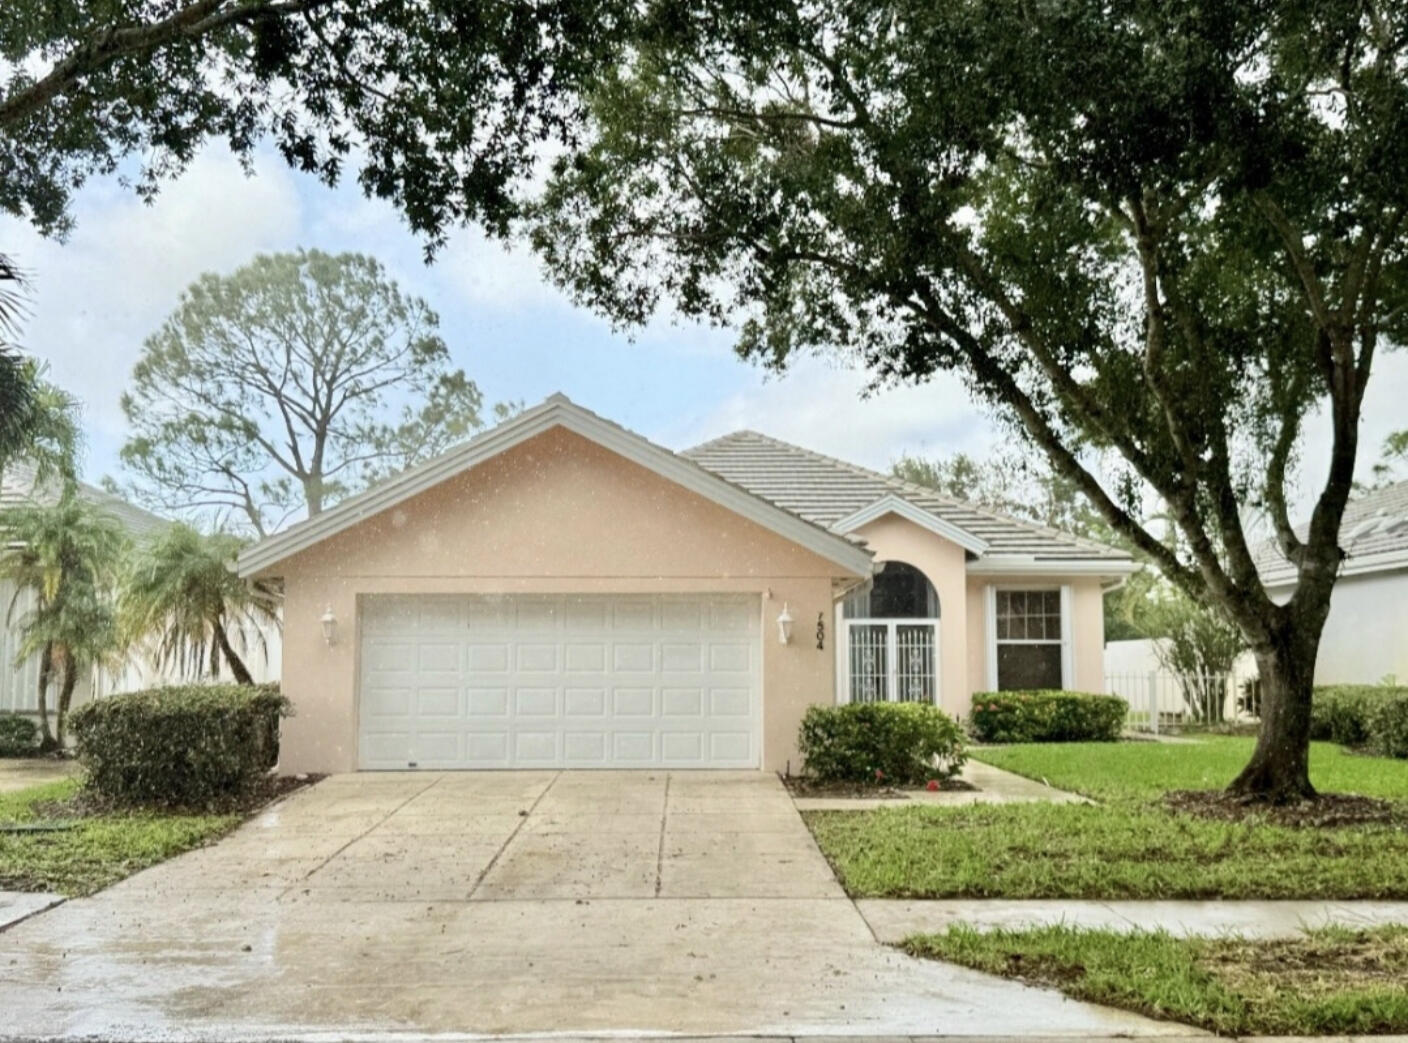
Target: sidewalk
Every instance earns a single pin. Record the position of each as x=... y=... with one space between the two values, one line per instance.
x=893 y=920
x=994 y=786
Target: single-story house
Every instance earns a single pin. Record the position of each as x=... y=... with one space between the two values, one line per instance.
x=561 y=592
x=19 y=681
x=1365 y=640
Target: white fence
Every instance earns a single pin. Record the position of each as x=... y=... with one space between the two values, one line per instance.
x=1166 y=700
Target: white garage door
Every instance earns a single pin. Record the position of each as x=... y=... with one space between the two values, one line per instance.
x=563 y=681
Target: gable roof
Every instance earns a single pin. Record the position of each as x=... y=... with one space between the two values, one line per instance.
x=557 y=411
x=835 y=494
x=17 y=485
x=1373 y=534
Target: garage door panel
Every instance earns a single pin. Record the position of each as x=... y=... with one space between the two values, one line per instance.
x=633 y=747
x=681 y=702
x=536 y=747
x=728 y=746
x=585 y=658
x=731 y=658
x=438 y=702
x=384 y=701
x=585 y=748
x=486 y=702
x=560 y=681
x=537 y=658
x=487 y=658
x=487 y=749
x=682 y=747
x=634 y=702
x=584 y=702
x=729 y=702
x=679 y=657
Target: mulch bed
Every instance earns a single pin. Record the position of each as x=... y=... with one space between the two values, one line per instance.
x=84 y=804
x=800 y=786
x=1328 y=811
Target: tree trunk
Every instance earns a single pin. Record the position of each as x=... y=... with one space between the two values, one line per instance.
x=70 y=682
x=1279 y=771
x=46 y=669
x=236 y=664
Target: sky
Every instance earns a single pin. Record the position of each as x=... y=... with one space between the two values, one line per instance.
x=99 y=293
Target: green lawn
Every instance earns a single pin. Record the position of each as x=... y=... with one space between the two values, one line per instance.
x=1330 y=982
x=96 y=851
x=1145 y=770
x=1128 y=846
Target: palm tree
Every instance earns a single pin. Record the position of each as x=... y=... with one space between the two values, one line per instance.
x=183 y=599
x=68 y=556
x=16 y=390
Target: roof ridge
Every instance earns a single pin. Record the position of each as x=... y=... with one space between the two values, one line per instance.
x=914 y=488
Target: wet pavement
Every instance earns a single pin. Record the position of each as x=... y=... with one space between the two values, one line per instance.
x=400 y=905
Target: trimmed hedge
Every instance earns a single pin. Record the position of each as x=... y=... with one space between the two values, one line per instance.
x=19 y=736
x=899 y=743
x=1388 y=727
x=1343 y=713
x=181 y=745
x=1047 y=716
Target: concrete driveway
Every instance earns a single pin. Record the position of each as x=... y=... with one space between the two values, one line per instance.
x=495 y=903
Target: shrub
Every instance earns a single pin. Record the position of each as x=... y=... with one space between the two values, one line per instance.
x=1047 y=716
x=19 y=736
x=1340 y=712
x=182 y=746
x=901 y=743
x=1388 y=726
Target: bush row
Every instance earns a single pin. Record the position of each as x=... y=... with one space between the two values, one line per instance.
x=19 y=736
x=1047 y=716
x=900 y=743
x=181 y=745
x=1372 y=716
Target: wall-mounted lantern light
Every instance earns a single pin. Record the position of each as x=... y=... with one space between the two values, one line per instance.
x=329 y=622
x=784 y=626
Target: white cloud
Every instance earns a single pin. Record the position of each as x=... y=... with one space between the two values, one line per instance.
x=99 y=294
x=822 y=407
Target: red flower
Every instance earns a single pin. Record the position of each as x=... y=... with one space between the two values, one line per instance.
x=932 y=785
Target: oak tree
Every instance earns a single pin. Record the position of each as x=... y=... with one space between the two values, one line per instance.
x=1161 y=232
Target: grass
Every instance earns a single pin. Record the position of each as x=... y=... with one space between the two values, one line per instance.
x=95 y=851
x=1128 y=846
x=1330 y=982
x=1146 y=770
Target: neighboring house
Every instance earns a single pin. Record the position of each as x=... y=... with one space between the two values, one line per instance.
x=19 y=684
x=1366 y=635
x=562 y=592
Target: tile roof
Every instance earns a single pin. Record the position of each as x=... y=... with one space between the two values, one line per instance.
x=17 y=486
x=1373 y=533
x=824 y=490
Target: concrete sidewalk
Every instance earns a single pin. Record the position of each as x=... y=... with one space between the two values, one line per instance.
x=893 y=920
x=994 y=786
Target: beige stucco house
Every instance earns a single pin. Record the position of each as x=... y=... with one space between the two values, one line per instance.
x=561 y=592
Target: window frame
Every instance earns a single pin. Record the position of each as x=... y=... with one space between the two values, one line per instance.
x=1067 y=664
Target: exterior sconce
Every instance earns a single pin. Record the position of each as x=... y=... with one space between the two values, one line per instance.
x=784 y=626
x=329 y=622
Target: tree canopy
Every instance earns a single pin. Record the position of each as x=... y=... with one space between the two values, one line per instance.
x=286 y=385
x=442 y=104
x=1163 y=232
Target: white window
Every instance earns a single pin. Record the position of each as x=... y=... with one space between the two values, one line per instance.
x=1029 y=638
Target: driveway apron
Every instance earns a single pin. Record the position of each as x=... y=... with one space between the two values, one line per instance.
x=402 y=904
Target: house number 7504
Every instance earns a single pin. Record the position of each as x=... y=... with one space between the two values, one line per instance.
x=820 y=631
